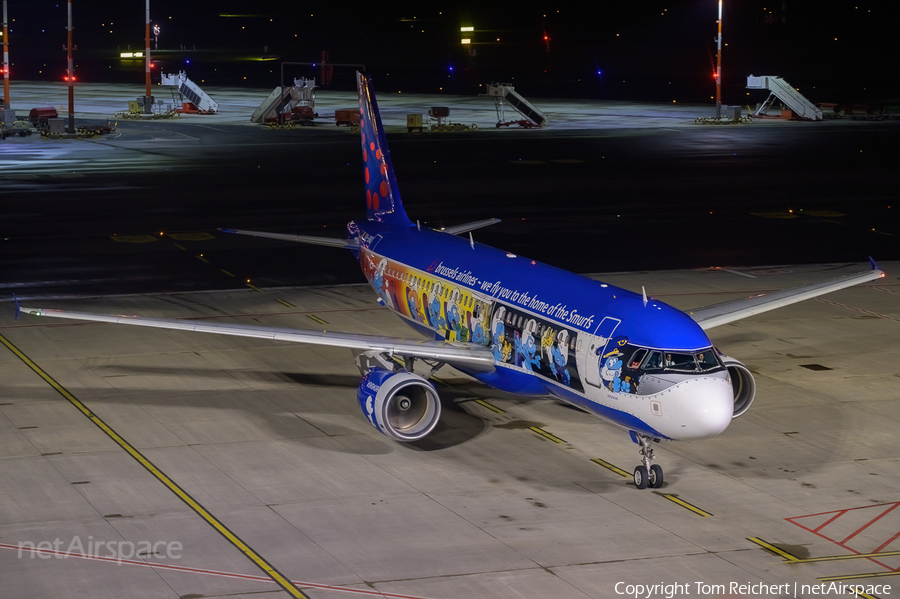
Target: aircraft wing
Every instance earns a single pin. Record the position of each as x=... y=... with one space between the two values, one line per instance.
x=350 y=244
x=471 y=357
x=719 y=314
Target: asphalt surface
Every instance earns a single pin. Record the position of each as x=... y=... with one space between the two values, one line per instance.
x=86 y=216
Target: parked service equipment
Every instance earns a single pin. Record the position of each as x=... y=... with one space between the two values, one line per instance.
x=441 y=114
x=414 y=121
x=40 y=115
x=347 y=117
x=197 y=100
x=782 y=90
x=281 y=102
x=505 y=94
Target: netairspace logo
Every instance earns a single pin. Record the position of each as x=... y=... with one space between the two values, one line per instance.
x=107 y=550
x=669 y=591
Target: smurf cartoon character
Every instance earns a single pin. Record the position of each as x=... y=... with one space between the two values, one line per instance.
x=455 y=322
x=611 y=372
x=526 y=348
x=412 y=301
x=558 y=354
x=501 y=347
x=478 y=335
x=434 y=313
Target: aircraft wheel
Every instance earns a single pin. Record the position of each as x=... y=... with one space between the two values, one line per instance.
x=640 y=477
x=656 y=477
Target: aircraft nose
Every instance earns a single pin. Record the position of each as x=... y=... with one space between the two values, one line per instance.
x=706 y=405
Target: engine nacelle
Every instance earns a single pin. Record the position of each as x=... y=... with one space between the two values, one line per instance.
x=401 y=405
x=743 y=384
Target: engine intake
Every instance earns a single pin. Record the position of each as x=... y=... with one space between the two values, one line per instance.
x=401 y=405
x=743 y=384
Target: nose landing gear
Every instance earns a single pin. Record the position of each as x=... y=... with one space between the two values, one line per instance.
x=648 y=474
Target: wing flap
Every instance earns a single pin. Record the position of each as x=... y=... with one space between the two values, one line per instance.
x=472 y=357
x=719 y=314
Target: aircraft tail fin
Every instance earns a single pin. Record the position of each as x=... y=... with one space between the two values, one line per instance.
x=383 y=202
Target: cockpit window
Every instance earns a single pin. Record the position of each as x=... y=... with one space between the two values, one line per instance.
x=674 y=361
x=707 y=360
x=701 y=361
x=636 y=359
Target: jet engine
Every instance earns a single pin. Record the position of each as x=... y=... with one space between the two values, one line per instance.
x=401 y=405
x=743 y=384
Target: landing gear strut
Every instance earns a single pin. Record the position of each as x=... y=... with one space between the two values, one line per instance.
x=648 y=474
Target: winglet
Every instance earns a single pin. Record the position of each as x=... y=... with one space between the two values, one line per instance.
x=18 y=307
x=874 y=264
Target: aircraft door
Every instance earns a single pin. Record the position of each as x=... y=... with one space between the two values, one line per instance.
x=592 y=349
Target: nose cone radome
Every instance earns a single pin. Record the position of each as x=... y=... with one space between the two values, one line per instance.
x=705 y=407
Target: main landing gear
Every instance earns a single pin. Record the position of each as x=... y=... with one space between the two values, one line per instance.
x=647 y=475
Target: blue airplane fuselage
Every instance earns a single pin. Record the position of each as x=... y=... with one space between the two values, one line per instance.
x=552 y=332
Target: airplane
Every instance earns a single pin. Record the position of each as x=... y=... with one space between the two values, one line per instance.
x=516 y=325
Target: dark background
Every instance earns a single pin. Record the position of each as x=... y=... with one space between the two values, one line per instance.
x=843 y=52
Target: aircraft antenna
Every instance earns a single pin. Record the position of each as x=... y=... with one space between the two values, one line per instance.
x=471 y=240
x=418 y=225
x=644 y=293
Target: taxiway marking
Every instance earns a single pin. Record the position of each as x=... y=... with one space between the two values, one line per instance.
x=610 y=467
x=486 y=404
x=769 y=547
x=315 y=318
x=686 y=505
x=206 y=571
x=854 y=308
x=270 y=570
x=549 y=436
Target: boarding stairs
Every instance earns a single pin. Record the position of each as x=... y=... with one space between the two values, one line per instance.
x=789 y=96
x=505 y=94
x=191 y=92
x=283 y=100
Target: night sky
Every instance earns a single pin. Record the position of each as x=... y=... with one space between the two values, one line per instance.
x=654 y=50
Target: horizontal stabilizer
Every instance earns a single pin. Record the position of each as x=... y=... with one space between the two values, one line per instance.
x=719 y=314
x=349 y=244
x=466 y=227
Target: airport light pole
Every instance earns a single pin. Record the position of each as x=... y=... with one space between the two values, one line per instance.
x=147 y=97
x=5 y=60
x=70 y=76
x=719 y=67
